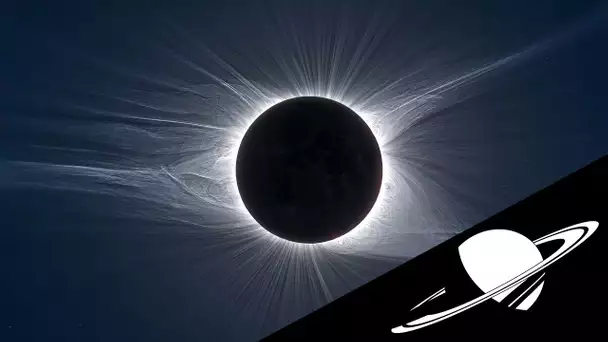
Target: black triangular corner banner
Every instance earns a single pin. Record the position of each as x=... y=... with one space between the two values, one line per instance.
x=535 y=270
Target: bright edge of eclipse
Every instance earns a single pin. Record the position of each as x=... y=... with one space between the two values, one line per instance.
x=359 y=230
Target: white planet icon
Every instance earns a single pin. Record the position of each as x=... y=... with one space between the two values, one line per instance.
x=499 y=261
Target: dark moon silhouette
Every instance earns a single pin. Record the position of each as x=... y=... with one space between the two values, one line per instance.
x=309 y=169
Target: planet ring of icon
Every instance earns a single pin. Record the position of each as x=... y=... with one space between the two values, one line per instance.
x=571 y=236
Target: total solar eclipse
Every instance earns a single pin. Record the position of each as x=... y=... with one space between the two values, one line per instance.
x=309 y=169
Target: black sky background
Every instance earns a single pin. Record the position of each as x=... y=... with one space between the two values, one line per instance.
x=73 y=270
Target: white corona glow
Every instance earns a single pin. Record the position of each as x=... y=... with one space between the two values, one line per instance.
x=203 y=124
x=156 y=129
x=358 y=231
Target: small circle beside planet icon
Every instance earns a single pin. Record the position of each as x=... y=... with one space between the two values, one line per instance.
x=489 y=261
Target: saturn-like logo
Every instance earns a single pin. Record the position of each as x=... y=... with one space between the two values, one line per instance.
x=490 y=261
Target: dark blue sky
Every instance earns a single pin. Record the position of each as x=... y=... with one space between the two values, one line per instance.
x=88 y=254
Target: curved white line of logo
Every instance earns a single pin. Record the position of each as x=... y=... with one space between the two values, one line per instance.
x=572 y=236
